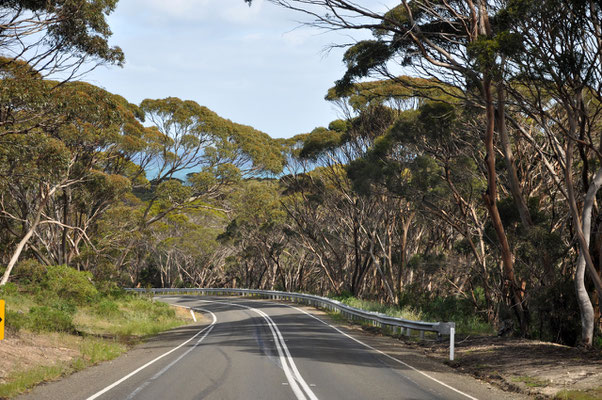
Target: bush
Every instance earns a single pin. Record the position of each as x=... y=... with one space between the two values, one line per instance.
x=48 y=319
x=64 y=306
x=30 y=272
x=16 y=320
x=110 y=289
x=70 y=284
x=107 y=308
x=9 y=289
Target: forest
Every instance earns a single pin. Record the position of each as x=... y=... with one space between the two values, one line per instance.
x=464 y=173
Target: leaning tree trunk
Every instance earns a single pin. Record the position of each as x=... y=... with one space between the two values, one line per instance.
x=21 y=245
x=585 y=304
x=583 y=233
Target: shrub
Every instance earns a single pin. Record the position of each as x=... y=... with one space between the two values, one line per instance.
x=107 y=308
x=70 y=284
x=9 y=289
x=16 y=320
x=30 y=272
x=64 y=306
x=48 y=319
x=110 y=288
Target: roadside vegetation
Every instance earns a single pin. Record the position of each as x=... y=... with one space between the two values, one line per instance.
x=465 y=190
x=422 y=309
x=58 y=307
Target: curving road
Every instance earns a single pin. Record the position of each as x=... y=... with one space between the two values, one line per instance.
x=255 y=349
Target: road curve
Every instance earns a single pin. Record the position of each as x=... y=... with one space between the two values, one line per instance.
x=256 y=349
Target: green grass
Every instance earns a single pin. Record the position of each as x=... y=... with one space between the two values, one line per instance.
x=594 y=394
x=530 y=381
x=126 y=317
x=92 y=351
x=95 y=325
x=20 y=381
x=393 y=311
x=466 y=324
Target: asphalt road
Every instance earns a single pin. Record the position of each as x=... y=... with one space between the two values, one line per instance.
x=255 y=349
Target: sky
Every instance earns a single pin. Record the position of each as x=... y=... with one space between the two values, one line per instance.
x=255 y=65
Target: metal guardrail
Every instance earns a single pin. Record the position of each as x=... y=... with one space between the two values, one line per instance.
x=394 y=325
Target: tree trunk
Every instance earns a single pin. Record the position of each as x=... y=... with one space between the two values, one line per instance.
x=25 y=239
x=490 y=199
x=585 y=304
x=515 y=189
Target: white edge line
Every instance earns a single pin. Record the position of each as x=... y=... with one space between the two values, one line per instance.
x=111 y=386
x=174 y=362
x=381 y=352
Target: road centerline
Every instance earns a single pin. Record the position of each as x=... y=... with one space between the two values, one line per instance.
x=288 y=365
x=379 y=351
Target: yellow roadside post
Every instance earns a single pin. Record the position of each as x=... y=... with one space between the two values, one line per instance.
x=1 y=319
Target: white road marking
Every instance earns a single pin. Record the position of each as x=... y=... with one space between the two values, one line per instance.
x=192 y=313
x=111 y=386
x=292 y=374
x=171 y=364
x=380 y=352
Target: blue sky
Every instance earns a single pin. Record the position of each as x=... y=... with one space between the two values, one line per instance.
x=254 y=65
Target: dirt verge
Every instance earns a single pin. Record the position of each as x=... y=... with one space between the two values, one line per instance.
x=540 y=369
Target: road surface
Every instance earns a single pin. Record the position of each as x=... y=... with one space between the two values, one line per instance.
x=257 y=349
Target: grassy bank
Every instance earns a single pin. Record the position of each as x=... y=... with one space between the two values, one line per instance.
x=442 y=310
x=58 y=322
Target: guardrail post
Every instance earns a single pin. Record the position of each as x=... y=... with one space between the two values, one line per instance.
x=452 y=334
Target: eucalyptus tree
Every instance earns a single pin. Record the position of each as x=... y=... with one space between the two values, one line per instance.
x=256 y=232
x=42 y=38
x=193 y=158
x=558 y=85
x=453 y=42
x=59 y=177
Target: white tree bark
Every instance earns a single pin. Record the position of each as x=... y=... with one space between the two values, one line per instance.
x=585 y=304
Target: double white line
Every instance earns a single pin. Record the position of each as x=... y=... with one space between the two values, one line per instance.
x=300 y=388
x=297 y=383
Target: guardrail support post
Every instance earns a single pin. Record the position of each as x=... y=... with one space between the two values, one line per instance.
x=452 y=334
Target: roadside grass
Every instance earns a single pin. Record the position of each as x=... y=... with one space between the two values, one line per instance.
x=466 y=324
x=126 y=317
x=530 y=381
x=91 y=350
x=594 y=394
x=20 y=381
x=62 y=310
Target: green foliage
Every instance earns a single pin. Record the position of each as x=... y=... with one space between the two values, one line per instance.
x=553 y=313
x=320 y=140
x=393 y=311
x=49 y=319
x=16 y=321
x=362 y=58
x=594 y=394
x=20 y=381
x=447 y=308
x=106 y=308
x=30 y=272
x=70 y=285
